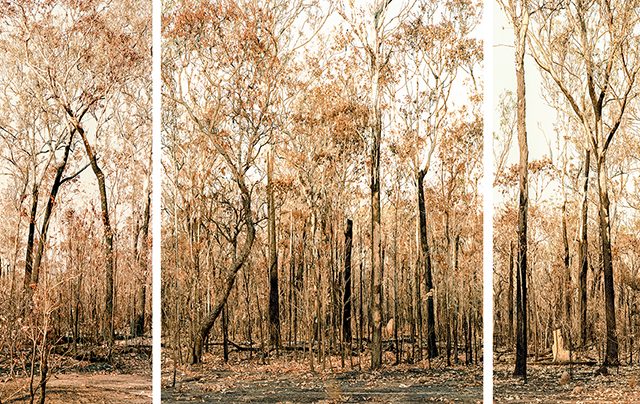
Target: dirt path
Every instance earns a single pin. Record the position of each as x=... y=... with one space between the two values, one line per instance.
x=544 y=385
x=88 y=388
x=409 y=385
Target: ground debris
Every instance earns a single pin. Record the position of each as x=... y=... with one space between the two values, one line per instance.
x=284 y=380
x=553 y=384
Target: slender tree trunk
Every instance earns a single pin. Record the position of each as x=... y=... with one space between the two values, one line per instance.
x=225 y=334
x=376 y=227
x=346 y=301
x=523 y=201
x=396 y=303
x=108 y=235
x=455 y=332
x=510 y=297
x=567 y=269
x=57 y=182
x=630 y=330
x=425 y=259
x=274 y=303
x=28 y=262
x=611 y=353
x=142 y=264
x=360 y=297
x=292 y=269
x=447 y=328
x=418 y=306
x=583 y=250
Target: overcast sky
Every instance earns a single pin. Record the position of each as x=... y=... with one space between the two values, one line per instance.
x=540 y=117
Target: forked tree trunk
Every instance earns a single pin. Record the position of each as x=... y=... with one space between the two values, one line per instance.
x=57 y=182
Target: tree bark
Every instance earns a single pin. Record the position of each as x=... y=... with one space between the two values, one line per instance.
x=425 y=255
x=225 y=334
x=567 y=269
x=108 y=232
x=57 y=182
x=510 y=296
x=583 y=249
x=521 y=27
x=346 y=299
x=611 y=353
x=376 y=225
x=142 y=263
x=28 y=262
x=274 y=303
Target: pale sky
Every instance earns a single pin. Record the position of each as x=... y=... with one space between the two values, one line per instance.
x=540 y=116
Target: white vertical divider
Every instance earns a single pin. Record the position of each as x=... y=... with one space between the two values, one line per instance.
x=156 y=212
x=487 y=192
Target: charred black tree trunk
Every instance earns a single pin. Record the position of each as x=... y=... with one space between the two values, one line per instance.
x=521 y=25
x=611 y=353
x=55 y=187
x=346 y=300
x=28 y=262
x=108 y=330
x=432 y=349
x=567 y=269
x=582 y=253
x=274 y=303
x=510 y=297
x=225 y=334
x=142 y=263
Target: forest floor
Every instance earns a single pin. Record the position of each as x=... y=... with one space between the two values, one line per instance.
x=287 y=380
x=126 y=379
x=545 y=384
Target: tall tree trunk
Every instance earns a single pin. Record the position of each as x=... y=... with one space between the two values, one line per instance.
x=510 y=296
x=376 y=225
x=142 y=264
x=521 y=26
x=292 y=270
x=360 y=296
x=611 y=353
x=108 y=234
x=274 y=303
x=418 y=304
x=346 y=300
x=225 y=334
x=567 y=269
x=425 y=260
x=396 y=300
x=583 y=249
